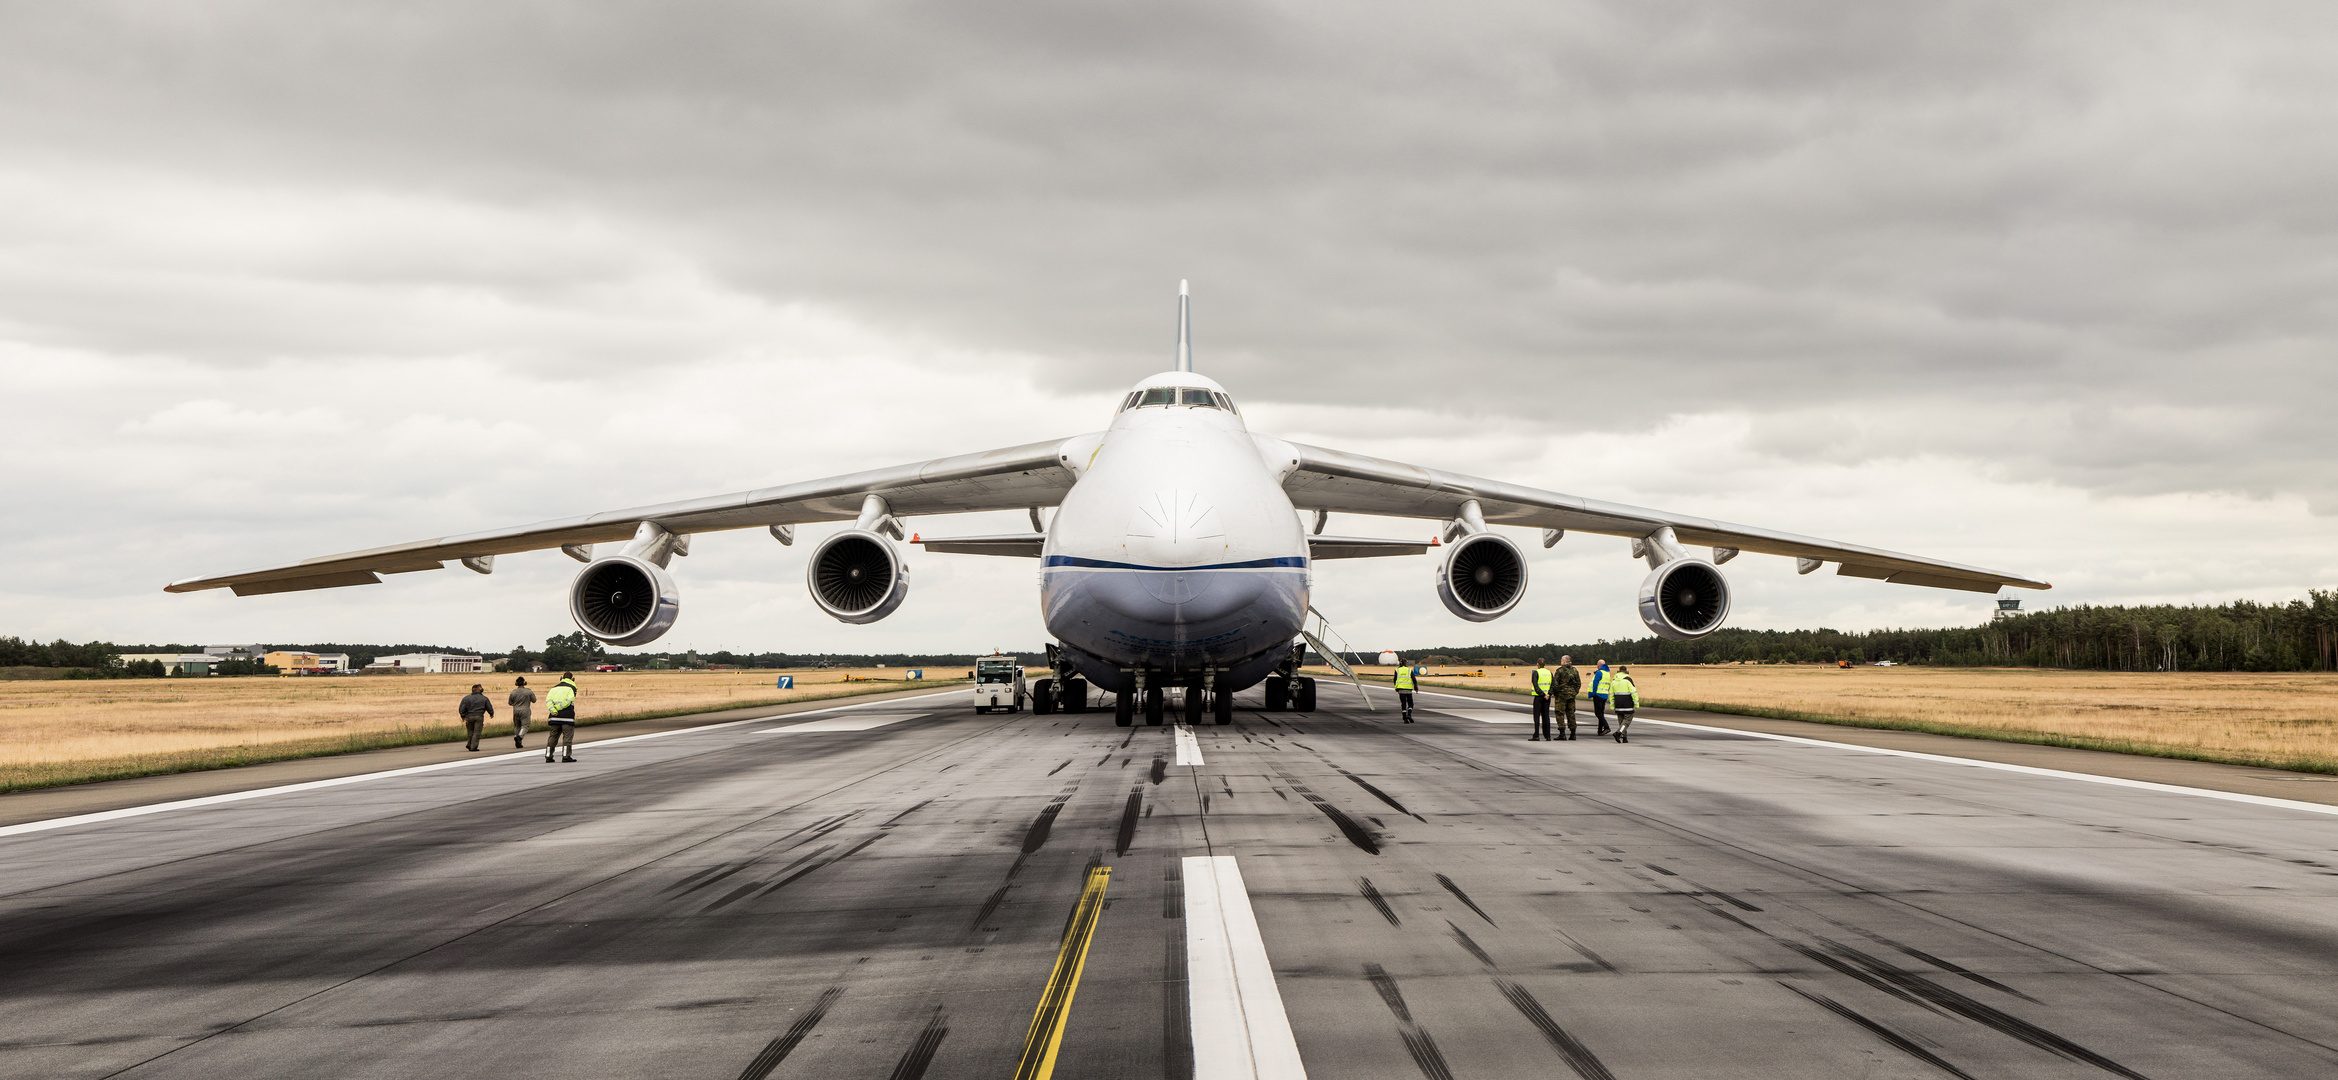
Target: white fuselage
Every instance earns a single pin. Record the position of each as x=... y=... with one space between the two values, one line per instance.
x=1176 y=551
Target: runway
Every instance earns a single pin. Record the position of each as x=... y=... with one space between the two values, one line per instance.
x=903 y=889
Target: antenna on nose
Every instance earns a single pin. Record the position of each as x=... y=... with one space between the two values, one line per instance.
x=1184 y=330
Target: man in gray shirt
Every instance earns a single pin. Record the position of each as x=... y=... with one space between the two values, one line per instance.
x=475 y=710
x=523 y=709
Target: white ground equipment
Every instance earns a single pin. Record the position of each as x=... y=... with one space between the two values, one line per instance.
x=998 y=684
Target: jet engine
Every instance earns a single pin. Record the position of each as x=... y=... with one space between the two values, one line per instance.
x=1684 y=599
x=624 y=600
x=857 y=577
x=1482 y=578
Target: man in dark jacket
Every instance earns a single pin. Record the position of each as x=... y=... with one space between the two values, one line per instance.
x=475 y=710
x=1563 y=691
x=523 y=710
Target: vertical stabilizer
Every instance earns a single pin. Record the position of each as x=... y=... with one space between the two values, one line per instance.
x=1184 y=330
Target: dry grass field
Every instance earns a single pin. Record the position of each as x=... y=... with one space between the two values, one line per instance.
x=54 y=732
x=2283 y=721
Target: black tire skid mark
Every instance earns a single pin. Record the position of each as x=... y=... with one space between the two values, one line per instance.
x=1571 y=1049
x=779 y=1048
x=1469 y=943
x=1127 y=835
x=1372 y=895
x=1464 y=898
x=1379 y=794
x=1896 y=1040
x=1417 y=1040
x=921 y=1052
x=1356 y=834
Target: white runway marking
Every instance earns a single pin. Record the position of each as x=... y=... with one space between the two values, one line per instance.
x=1489 y=716
x=2031 y=770
x=1240 y=1031
x=312 y=785
x=1188 y=747
x=836 y=723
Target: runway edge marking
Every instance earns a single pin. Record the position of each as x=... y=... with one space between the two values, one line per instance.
x=1239 y=1028
x=2029 y=770
x=411 y=770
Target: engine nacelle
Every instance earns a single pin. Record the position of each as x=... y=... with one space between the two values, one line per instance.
x=1684 y=599
x=857 y=577
x=1482 y=578
x=623 y=600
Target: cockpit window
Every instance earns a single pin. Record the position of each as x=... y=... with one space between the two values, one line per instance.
x=1131 y=401
x=1159 y=395
x=1202 y=398
x=1227 y=404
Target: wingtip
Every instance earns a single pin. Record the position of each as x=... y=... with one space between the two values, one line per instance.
x=1181 y=287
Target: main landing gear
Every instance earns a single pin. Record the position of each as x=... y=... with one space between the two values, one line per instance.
x=1067 y=695
x=1290 y=692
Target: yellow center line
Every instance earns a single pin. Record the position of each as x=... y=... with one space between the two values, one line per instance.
x=1046 y=1035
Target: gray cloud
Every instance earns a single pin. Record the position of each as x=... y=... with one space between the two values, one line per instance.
x=2084 y=245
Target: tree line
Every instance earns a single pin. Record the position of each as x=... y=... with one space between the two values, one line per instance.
x=2301 y=635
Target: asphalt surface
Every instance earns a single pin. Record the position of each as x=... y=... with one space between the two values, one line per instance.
x=886 y=890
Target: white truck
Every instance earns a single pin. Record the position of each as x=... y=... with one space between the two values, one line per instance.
x=998 y=684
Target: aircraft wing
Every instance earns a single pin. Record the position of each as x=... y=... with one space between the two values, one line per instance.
x=1340 y=482
x=1018 y=477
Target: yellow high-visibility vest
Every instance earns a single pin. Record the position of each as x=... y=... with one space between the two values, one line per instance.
x=1404 y=677
x=1542 y=681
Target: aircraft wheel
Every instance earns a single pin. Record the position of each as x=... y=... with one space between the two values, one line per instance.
x=1305 y=696
x=1278 y=693
x=1193 y=705
x=1153 y=705
x=1075 y=695
x=1225 y=707
x=1124 y=709
x=1043 y=697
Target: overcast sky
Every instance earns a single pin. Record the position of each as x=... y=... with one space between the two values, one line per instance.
x=2045 y=288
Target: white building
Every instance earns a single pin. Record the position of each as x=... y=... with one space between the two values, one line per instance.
x=333 y=661
x=431 y=663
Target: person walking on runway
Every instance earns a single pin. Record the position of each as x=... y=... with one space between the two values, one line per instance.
x=523 y=710
x=562 y=701
x=1405 y=677
x=1627 y=700
x=1542 y=679
x=1563 y=691
x=1598 y=695
x=475 y=710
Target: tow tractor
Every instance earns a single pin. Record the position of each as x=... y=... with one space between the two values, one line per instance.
x=998 y=684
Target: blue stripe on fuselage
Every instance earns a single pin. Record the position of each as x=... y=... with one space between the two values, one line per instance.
x=1292 y=562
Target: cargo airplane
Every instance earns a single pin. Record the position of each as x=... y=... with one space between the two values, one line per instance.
x=1176 y=556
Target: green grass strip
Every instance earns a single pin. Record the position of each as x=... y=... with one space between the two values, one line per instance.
x=61 y=773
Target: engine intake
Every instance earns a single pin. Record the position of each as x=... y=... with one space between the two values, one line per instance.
x=857 y=577
x=1684 y=599
x=623 y=600
x=1482 y=578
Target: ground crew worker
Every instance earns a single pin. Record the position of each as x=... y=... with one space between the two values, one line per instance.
x=562 y=701
x=1599 y=677
x=475 y=710
x=1405 y=675
x=1543 y=677
x=1627 y=699
x=1563 y=691
x=523 y=710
